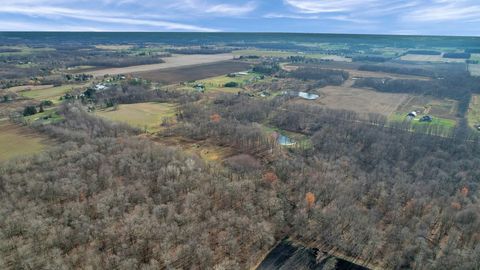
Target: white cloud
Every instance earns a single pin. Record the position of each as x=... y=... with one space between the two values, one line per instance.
x=96 y=16
x=229 y=10
x=327 y=6
x=442 y=10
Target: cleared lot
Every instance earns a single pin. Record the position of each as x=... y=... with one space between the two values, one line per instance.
x=170 y=62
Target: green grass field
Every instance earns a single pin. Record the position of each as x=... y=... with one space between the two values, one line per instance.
x=24 y=50
x=141 y=115
x=447 y=123
x=17 y=141
x=220 y=81
x=53 y=93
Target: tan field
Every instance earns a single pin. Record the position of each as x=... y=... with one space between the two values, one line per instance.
x=147 y=115
x=27 y=88
x=361 y=101
x=17 y=141
x=170 y=62
x=430 y=58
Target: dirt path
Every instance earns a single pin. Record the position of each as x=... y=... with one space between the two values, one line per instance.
x=170 y=62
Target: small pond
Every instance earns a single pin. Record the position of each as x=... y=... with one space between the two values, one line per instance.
x=284 y=140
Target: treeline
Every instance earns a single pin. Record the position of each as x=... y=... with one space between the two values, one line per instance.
x=200 y=50
x=398 y=70
x=267 y=67
x=132 y=92
x=472 y=50
x=322 y=75
x=424 y=52
x=370 y=58
x=457 y=55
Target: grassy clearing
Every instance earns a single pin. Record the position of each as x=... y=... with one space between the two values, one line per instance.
x=53 y=93
x=473 y=115
x=17 y=141
x=437 y=121
x=475 y=56
x=267 y=53
x=474 y=69
x=141 y=115
x=47 y=117
x=24 y=50
x=241 y=80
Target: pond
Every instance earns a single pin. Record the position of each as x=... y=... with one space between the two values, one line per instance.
x=284 y=140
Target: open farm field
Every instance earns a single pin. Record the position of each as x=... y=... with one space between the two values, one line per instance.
x=444 y=108
x=354 y=72
x=192 y=73
x=52 y=93
x=170 y=62
x=27 y=88
x=114 y=47
x=147 y=115
x=22 y=50
x=17 y=141
x=430 y=58
x=361 y=101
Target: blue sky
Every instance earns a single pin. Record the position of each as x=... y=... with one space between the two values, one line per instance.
x=425 y=17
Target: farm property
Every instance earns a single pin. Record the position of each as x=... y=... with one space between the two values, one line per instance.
x=192 y=73
x=17 y=141
x=361 y=101
x=141 y=115
x=170 y=62
x=444 y=108
x=430 y=58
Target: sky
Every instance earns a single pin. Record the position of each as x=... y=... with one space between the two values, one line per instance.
x=406 y=17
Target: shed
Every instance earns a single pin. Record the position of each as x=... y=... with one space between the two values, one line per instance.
x=308 y=96
x=412 y=114
x=426 y=118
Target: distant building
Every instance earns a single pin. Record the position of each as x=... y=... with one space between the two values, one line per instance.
x=308 y=96
x=426 y=118
x=412 y=114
